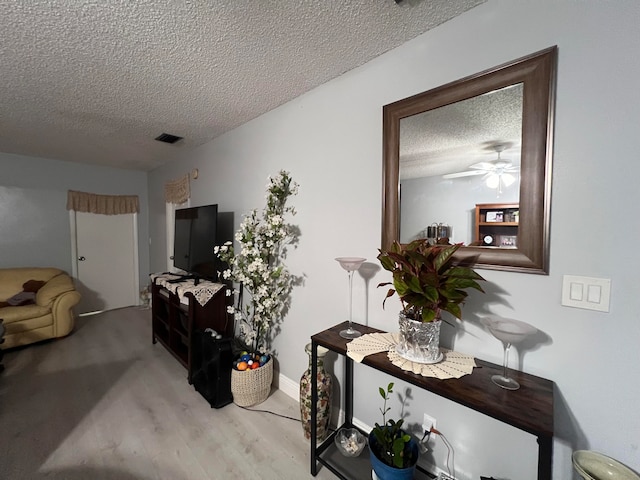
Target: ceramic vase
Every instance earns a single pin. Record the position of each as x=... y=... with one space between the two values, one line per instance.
x=419 y=341
x=323 y=386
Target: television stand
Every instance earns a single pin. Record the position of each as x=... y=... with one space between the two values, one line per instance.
x=176 y=314
x=183 y=278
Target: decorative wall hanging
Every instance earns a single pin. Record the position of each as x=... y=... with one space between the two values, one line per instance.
x=177 y=191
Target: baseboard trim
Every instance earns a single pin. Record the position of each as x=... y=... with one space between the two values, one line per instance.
x=288 y=387
x=291 y=388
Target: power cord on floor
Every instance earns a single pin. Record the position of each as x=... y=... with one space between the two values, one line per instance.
x=331 y=430
x=272 y=413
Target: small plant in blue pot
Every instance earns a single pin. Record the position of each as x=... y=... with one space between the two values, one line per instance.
x=394 y=453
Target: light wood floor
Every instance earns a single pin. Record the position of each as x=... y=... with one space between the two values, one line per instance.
x=104 y=403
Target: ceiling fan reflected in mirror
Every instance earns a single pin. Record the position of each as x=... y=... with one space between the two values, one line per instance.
x=498 y=172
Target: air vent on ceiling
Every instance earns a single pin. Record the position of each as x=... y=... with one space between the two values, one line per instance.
x=168 y=138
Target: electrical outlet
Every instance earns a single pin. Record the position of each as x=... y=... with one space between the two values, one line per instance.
x=428 y=423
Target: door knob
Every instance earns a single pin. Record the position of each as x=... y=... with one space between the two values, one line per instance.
x=81 y=259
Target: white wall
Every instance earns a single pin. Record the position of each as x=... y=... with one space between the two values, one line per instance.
x=34 y=220
x=331 y=139
x=429 y=200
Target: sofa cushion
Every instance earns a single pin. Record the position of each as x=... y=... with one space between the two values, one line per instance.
x=22 y=298
x=32 y=286
x=27 y=296
x=15 y=314
x=54 y=288
x=27 y=326
x=13 y=279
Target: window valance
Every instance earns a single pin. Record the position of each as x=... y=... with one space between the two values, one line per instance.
x=177 y=191
x=102 y=204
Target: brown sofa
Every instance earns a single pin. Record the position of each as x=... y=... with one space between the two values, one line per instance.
x=36 y=304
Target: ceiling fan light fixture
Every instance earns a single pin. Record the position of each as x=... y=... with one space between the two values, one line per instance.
x=495 y=171
x=508 y=179
x=498 y=180
x=493 y=180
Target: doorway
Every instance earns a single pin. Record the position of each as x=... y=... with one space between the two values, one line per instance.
x=105 y=260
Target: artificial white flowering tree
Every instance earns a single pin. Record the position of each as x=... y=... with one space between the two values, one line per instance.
x=263 y=281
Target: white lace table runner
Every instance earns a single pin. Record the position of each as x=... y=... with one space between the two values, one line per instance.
x=453 y=365
x=203 y=292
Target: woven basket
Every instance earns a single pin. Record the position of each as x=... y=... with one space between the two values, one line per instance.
x=251 y=387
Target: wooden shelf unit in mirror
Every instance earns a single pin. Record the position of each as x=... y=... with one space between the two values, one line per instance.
x=496 y=225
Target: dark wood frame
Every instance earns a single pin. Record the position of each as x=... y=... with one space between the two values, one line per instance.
x=537 y=72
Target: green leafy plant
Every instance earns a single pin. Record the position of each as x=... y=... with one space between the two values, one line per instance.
x=427 y=280
x=392 y=445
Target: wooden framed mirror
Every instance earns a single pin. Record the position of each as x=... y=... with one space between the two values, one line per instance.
x=458 y=132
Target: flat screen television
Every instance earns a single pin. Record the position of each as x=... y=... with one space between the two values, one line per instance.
x=197 y=231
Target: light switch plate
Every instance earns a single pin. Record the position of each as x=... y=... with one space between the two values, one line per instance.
x=586 y=292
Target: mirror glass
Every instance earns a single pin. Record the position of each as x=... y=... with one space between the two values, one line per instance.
x=467 y=153
x=470 y=162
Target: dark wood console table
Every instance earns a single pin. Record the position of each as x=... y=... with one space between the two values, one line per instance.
x=529 y=409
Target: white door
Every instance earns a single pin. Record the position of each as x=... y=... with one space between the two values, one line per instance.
x=106 y=260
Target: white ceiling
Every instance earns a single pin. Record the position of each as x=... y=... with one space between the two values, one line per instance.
x=95 y=81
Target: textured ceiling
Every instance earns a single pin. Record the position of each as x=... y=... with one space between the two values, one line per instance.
x=451 y=138
x=95 y=81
